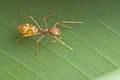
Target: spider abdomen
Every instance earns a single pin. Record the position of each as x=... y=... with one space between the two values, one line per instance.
x=27 y=29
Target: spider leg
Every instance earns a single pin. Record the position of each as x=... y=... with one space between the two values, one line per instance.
x=45 y=17
x=25 y=36
x=59 y=37
x=63 y=43
x=38 y=42
x=62 y=23
x=23 y=14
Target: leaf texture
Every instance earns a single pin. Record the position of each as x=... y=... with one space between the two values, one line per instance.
x=95 y=42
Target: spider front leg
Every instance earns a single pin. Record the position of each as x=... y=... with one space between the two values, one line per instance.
x=57 y=24
x=62 y=23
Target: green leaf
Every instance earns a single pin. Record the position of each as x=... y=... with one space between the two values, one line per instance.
x=96 y=42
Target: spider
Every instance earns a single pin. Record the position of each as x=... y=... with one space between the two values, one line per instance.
x=28 y=29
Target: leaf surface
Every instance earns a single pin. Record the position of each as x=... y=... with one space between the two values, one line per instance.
x=95 y=42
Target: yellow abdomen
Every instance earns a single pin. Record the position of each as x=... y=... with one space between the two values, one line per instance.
x=27 y=29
